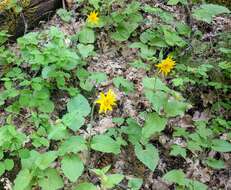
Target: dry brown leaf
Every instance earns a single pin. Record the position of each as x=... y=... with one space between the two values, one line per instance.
x=104 y=125
x=69 y=3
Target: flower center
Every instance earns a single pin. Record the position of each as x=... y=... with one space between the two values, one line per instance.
x=107 y=102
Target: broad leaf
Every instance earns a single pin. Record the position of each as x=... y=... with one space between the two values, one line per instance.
x=135 y=183
x=126 y=85
x=175 y=108
x=154 y=84
x=178 y=150
x=85 y=50
x=148 y=156
x=197 y=185
x=175 y=2
x=206 y=12
x=44 y=160
x=154 y=124
x=22 y=180
x=133 y=130
x=216 y=164
x=221 y=145
x=79 y=105
x=73 y=144
x=175 y=176
x=124 y=31
x=73 y=120
x=57 y=132
x=104 y=143
x=112 y=180
x=9 y=164
x=86 y=36
x=2 y=168
x=51 y=180
x=72 y=167
x=78 y=108
x=173 y=39
x=85 y=186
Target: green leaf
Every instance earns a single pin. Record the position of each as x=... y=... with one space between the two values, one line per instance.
x=149 y=156
x=118 y=120
x=154 y=84
x=145 y=51
x=64 y=15
x=175 y=176
x=87 y=85
x=154 y=124
x=101 y=172
x=175 y=108
x=178 y=81
x=178 y=150
x=123 y=31
x=98 y=77
x=78 y=108
x=24 y=153
x=79 y=105
x=172 y=38
x=111 y=180
x=86 y=36
x=139 y=64
x=57 y=132
x=135 y=183
x=175 y=2
x=197 y=185
x=72 y=167
x=29 y=161
x=215 y=164
x=51 y=180
x=104 y=143
x=163 y=15
x=85 y=186
x=206 y=12
x=133 y=130
x=156 y=92
x=22 y=180
x=1 y=154
x=3 y=36
x=39 y=141
x=9 y=164
x=82 y=74
x=44 y=160
x=157 y=99
x=126 y=85
x=2 y=168
x=85 y=50
x=95 y=3
x=183 y=29
x=193 y=146
x=221 y=145
x=73 y=120
x=46 y=106
x=73 y=144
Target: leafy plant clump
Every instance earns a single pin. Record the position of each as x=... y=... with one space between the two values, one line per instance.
x=64 y=125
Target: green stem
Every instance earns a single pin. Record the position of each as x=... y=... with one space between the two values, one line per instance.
x=90 y=136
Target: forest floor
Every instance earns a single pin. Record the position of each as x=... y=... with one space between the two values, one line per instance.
x=206 y=104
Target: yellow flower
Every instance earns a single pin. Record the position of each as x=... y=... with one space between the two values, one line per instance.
x=93 y=18
x=166 y=65
x=106 y=101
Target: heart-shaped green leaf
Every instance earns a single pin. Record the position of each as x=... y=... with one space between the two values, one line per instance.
x=149 y=156
x=72 y=167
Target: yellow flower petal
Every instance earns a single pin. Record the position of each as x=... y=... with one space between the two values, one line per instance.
x=166 y=65
x=106 y=101
x=93 y=17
